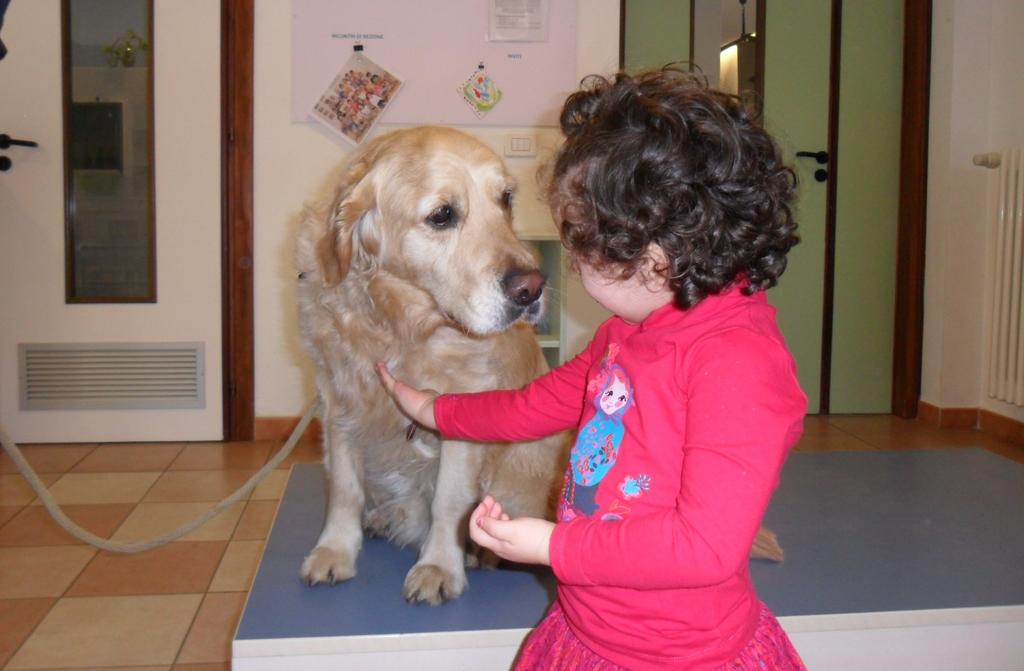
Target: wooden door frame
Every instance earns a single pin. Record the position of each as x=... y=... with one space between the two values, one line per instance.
x=831 y=197
x=237 y=319
x=908 y=319
x=910 y=245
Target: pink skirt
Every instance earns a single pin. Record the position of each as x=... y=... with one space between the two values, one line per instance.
x=553 y=647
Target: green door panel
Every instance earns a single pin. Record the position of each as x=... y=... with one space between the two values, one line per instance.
x=796 y=112
x=657 y=33
x=867 y=206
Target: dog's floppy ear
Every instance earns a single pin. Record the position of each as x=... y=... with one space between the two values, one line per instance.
x=354 y=201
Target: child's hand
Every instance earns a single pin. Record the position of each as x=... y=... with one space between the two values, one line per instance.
x=417 y=404
x=523 y=540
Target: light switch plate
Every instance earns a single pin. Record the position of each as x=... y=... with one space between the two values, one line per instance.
x=520 y=144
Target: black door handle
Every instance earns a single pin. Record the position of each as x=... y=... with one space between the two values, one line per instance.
x=6 y=141
x=819 y=156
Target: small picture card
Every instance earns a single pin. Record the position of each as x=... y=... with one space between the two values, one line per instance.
x=480 y=92
x=356 y=98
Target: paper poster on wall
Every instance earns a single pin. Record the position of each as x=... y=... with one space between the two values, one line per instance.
x=517 y=21
x=356 y=98
x=433 y=47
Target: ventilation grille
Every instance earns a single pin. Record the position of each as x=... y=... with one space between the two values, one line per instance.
x=106 y=376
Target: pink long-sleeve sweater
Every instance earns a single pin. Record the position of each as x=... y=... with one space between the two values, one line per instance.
x=684 y=422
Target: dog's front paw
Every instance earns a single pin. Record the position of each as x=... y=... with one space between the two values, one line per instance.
x=326 y=564
x=426 y=582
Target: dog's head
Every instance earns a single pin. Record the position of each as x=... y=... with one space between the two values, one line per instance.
x=433 y=207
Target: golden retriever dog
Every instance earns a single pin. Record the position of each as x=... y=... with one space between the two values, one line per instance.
x=413 y=261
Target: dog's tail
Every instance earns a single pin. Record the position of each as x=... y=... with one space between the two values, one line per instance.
x=766 y=546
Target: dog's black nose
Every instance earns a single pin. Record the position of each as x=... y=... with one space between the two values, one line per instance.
x=523 y=286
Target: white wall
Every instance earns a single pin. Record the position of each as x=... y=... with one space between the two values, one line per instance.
x=977 y=94
x=291 y=162
x=956 y=205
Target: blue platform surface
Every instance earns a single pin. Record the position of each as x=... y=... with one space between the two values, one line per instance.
x=896 y=531
x=863 y=532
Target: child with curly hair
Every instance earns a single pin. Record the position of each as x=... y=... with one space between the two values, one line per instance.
x=674 y=206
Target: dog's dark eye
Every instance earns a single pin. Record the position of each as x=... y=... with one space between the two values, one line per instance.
x=506 y=199
x=442 y=218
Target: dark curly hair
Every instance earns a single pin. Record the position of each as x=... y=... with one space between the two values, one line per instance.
x=658 y=157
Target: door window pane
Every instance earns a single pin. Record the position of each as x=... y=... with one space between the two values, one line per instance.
x=108 y=85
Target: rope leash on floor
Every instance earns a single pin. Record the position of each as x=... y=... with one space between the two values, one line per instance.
x=130 y=548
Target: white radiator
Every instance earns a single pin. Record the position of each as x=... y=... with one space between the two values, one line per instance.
x=1006 y=345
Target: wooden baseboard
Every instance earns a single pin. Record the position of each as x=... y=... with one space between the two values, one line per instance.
x=926 y=412
x=1002 y=427
x=999 y=426
x=947 y=418
x=279 y=428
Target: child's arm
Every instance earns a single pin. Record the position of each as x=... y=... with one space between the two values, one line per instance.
x=744 y=413
x=549 y=404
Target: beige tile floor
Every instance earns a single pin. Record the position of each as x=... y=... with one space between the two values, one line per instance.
x=66 y=605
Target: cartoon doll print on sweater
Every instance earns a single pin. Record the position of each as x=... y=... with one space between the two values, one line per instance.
x=598 y=441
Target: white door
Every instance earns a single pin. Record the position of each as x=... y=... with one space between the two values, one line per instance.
x=186 y=52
